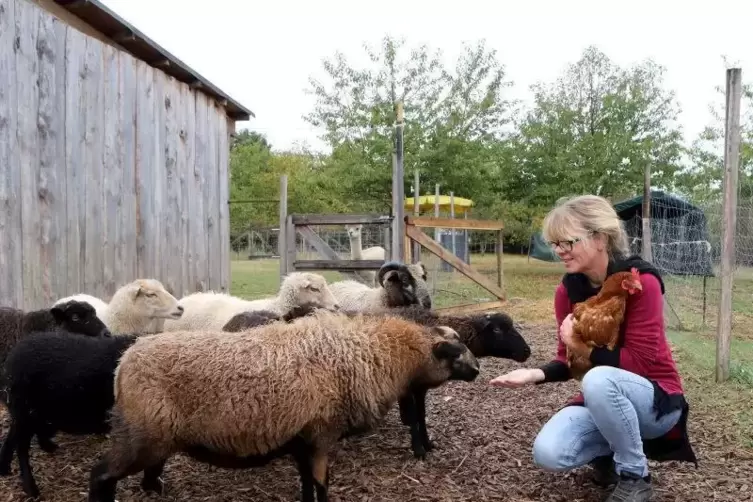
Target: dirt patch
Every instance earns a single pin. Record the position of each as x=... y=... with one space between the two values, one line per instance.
x=483 y=435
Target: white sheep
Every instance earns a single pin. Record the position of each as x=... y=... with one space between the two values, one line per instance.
x=141 y=306
x=210 y=310
x=398 y=287
x=358 y=253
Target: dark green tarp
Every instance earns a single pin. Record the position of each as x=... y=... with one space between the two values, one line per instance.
x=679 y=235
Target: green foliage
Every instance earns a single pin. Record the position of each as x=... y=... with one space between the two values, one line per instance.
x=593 y=130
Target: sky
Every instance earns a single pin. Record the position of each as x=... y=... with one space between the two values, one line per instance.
x=263 y=53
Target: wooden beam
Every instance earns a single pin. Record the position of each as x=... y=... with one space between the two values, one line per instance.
x=282 y=237
x=339 y=265
x=500 y=246
x=433 y=246
x=465 y=224
x=732 y=140
x=323 y=249
x=470 y=308
x=340 y=219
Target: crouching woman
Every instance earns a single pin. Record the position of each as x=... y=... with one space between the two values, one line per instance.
x=631 y=405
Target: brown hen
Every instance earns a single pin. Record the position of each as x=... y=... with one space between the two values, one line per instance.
x=596 y=322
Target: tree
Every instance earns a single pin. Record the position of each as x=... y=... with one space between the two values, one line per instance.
x=452 y=117
x=594 y=130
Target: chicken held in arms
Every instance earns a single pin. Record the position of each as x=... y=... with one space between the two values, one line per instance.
x=597 y=321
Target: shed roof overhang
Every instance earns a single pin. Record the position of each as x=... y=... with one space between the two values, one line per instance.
x=126 y=36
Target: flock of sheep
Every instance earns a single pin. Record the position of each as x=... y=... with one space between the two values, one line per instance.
x=231 y=382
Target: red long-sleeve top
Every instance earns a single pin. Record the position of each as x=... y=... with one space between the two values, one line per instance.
x=643 y=350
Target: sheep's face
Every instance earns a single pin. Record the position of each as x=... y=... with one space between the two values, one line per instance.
x=456 y=361
x=497 y=336
x=151 y=297
x=354 y=231
x=79 y=317
x=302 y=310
x=400 y=286
x=309 y=289
x=419 y=273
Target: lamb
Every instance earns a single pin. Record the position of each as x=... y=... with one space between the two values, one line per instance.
x=140 y=306
x=398 y=286
x=358 y=253
x=58 y=382
x=319 y=378
x=248 y=320
x=73 y=316
x=211 y=311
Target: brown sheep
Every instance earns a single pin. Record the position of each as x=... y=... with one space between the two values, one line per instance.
x=246 y=398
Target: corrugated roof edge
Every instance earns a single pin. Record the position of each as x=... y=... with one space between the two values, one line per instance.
x=104 y=20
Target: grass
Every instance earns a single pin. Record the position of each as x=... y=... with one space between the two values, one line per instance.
x=530 y=286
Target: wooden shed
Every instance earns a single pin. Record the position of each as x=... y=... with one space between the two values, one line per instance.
x=113 y=158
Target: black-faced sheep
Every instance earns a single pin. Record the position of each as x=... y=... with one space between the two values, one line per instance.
x=398 y=287
x=72 y=316
x=57 y=382
x=141 y=306
x=486 y=335
x=246 y=398
x=248 y=320
x=210 y=311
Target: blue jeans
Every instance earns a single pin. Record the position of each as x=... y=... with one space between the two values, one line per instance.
x=618 y=414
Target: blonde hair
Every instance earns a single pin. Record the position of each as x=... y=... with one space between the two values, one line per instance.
x=578 y=217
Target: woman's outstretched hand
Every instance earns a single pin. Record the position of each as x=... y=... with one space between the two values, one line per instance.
x=518 y=378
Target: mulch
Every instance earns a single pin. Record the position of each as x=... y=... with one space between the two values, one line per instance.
x=483 y=435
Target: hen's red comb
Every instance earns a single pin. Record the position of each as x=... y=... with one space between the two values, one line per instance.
x=635 y=273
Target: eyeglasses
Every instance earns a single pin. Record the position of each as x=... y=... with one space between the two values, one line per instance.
x=567 y=245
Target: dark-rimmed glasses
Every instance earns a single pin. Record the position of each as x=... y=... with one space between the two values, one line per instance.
x=565 y=246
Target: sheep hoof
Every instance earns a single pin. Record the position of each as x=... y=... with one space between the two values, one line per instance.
x=155 y=485
x=48 y=446
x=419 y=452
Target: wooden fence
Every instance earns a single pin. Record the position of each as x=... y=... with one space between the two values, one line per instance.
x=109 y=169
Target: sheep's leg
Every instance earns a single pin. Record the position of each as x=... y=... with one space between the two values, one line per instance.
x=409 y=416
x=45 y=432
x=302 y=456
x=22 y=450
x=127 y=456
x=320 y=471
x=9 y=446
x=405 y=404
x=152 y=482
x=420 y=400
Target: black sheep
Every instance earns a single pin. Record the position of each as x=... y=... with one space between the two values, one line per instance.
x=73 y=316
x=254 y=318
x=58 y=381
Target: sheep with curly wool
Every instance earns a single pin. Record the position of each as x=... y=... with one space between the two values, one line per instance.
x=397 y=287
x=278 y=389
x=141 y=306
x=211 y=311
x=491 y=334
x=73 y=316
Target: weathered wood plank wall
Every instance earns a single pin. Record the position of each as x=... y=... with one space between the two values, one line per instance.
x=109 y=169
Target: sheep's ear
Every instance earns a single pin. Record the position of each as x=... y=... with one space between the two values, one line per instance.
x=139 y=290
x=447 y=350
